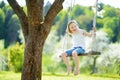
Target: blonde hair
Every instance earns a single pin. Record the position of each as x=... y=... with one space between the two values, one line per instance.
x=68 y=26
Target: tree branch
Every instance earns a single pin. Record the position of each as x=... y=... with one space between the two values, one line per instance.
x=35 y=11
x=21 y=15
x=41 y=3
x=53 y=11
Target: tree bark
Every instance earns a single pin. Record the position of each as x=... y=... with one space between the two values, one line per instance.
x=33 y=54
x=21 y=15
x=35 y=30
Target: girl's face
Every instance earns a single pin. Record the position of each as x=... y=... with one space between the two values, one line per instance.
x=73 y=27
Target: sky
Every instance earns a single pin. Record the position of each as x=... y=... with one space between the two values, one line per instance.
x=67 y=3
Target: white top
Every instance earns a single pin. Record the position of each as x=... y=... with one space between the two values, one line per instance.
x=79 y=39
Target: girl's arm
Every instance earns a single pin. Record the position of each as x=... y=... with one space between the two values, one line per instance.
x=85 y=33
x=91 y=33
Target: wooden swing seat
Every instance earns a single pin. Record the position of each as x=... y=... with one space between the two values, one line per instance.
x=87 y=54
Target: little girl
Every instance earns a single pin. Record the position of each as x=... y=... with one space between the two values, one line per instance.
x=78 y=36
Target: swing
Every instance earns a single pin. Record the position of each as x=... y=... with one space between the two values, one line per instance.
x=92 y=52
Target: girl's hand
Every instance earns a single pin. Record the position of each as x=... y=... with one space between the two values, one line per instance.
x=94 y=29
x=93 y=32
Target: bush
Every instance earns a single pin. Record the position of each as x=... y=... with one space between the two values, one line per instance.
x=15 y=57
x=109 y=61
x=52 y=65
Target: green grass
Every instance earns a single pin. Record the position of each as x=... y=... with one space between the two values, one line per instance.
x=10 y=76
x=17 y=76
x=79 y=77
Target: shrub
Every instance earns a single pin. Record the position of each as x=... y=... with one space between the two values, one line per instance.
x=15 y=57
x=109 y=61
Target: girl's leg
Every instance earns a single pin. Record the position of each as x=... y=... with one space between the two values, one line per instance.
x=65 y=60
x=76 y=61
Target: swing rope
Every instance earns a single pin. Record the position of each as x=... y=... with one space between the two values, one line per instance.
x=72 y=3
x=95 y=16
x=70 y=9
x=94 y=26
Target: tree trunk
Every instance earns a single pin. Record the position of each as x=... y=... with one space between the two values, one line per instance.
x=35 y=31
x=33 y=55
x=32 y=67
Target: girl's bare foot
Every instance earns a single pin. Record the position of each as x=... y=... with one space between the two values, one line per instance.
x=69 y=70
x=76 y=72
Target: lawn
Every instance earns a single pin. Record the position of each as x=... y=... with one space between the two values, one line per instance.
x=17 y=76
